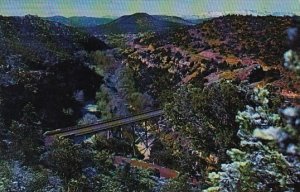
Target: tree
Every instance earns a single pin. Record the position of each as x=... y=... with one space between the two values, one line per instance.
x=65 y=158
x=258 y=164
x=26 y=135
x=102 y=61
x=133 y=179
x=205 y=118
x=102 y=98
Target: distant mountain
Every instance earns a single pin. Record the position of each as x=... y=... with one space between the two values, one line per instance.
x=80 y=21
x=282 y=14
x=139 y=22
x=173 y=19
x=59 y=19
x=214 y=14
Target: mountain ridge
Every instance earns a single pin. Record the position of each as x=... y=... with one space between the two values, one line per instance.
x=138 y=22
x=80 y=21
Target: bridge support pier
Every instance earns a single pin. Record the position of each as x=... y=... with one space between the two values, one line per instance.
x=133 y=138
x=146 y=135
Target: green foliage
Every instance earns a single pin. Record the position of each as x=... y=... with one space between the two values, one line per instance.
x=268 y=158
x=26 y=135
x=3 y=145
x=178 y=184
x=127 y=84
x=88 y=119
x=39 y=180
x=126 y=87
x=261 y=114
x=5 y=175
x=132 y=179
x=139 y=101
x=292 y=60
x=17 y=177
x=77 y=185
x=103 y=161
x=102 y=62
x=171 y=153
x=257 y=168
x=122 y=179
x=162 y=154
x=116 y=146
x=206 y=117
x=109 y=185
x=90 y=167
x=117 y=41
x=259 y=164
x=103 y=99
x=66 y=159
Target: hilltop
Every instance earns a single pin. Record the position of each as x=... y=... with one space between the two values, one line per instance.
x=139 y=22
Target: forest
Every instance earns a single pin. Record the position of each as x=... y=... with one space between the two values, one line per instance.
x=228 y=87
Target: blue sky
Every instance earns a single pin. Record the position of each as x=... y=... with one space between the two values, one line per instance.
x=122 y=7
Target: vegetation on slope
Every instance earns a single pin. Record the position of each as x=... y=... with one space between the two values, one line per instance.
x=208 y=135
x=138 y=22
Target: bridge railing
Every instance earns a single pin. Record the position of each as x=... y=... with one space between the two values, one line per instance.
x=69 y=129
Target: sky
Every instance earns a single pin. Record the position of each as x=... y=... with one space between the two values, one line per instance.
x=100 y=8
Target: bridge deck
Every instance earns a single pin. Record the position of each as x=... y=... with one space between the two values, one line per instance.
x=100 y=126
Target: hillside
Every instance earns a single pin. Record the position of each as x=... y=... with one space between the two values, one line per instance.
x=33 y=36
x=44 y=63
x=138 y=22
x=230 y=47
x=77 y=21
x=219 y=82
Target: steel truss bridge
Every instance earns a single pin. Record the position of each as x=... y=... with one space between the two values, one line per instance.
x=110 y=127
